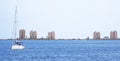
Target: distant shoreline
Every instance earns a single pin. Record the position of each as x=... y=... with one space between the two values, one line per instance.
x=61 y=39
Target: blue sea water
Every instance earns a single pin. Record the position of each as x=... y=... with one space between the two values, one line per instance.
x=62 y=50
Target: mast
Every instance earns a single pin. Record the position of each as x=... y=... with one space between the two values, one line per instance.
x=15 y=22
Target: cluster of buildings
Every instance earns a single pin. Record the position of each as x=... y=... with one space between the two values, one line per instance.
x=33 y=35
x=113 y=35
x=51 y=35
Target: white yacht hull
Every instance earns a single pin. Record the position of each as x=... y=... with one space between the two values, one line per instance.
x=17 y=47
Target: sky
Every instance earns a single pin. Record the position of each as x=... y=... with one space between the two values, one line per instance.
x=67 y=18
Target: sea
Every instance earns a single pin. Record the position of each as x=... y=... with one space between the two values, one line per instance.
x=61 y=50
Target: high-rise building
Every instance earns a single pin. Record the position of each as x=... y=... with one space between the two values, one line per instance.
x=113 y=35
x=22 y=34
x=33 y=34
x=96 y=35
x=51 y=35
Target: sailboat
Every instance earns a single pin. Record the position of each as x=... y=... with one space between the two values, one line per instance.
x=17 y=44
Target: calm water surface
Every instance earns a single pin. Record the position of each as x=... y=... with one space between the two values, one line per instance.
x=60 y=50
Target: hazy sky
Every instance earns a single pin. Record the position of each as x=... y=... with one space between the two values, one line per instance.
x=68 y=18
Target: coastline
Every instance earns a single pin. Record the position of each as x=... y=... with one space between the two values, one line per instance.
x=63 y=39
